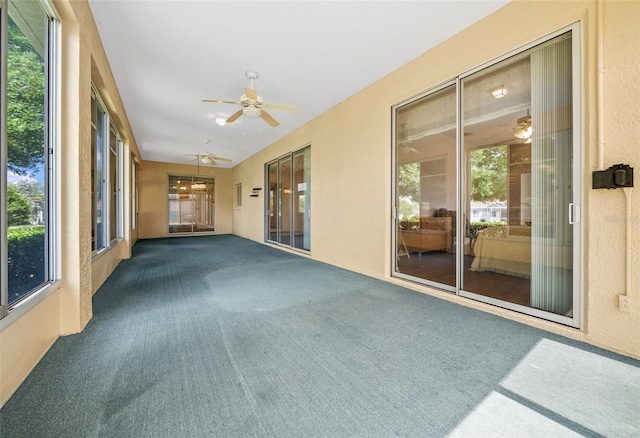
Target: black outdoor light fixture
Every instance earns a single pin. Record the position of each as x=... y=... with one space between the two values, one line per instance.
x=618 y=175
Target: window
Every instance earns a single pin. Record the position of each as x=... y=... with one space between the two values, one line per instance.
x=98 y=123
x=115 y=185
x=238 y=196
x=496 y=226
x=27 y=138
x=288 y=204
x=106 y=171
x=191 y=204
x=134 y=193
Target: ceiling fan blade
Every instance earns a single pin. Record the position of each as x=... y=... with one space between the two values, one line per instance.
x=234 y=116
x=251 y=93
x=220 y=101
x=281 y=107
x=270 y=120
x=215 y=157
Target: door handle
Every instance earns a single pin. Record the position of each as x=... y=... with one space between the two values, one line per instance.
x=574 y=213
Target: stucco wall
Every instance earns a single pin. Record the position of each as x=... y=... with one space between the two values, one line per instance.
x=607 y=215
x=153 y=201
x=351 y=173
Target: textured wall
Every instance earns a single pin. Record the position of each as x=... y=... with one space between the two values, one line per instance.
x=607 y=214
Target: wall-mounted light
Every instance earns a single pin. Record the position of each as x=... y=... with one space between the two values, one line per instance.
x=499 y=93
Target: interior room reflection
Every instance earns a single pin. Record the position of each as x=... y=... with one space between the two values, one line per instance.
x=515 y=182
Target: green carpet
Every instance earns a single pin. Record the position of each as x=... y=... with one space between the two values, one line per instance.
x=220 y=336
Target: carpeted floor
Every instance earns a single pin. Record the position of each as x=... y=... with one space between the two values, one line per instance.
x=223 y=337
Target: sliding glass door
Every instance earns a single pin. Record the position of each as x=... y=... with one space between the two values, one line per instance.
x=288 y=202
x=503 y=153
x=191 y=204
x=426 y=187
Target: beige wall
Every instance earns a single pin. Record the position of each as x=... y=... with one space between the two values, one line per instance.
x=153 y=180
x=24 y=340
x=606 y=232
x=23 y=343
x=351 y=159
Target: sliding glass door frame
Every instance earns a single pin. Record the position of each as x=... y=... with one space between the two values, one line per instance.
x=181 y=191
x=463 y=184
x=288 y=200
x=396 y=243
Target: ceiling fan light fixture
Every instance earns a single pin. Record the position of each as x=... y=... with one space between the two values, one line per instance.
x=524 y=131
x=251 y=112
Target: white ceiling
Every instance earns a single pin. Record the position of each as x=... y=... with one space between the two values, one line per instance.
x=167 y=56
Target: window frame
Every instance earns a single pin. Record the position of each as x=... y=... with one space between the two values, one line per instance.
x=133 y=198
x=101 y=125
x=195 y=204
x=108 y=130
x=117 y=209
x=293 y=206
x=237 y=204
x=10 y=312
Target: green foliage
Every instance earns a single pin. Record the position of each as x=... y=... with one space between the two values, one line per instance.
x=25 y=103
x=489 y=174
x=411 y=223
x=408 y=208
x=25 y=248
x=409 y=181
x=18 y=207
x=476 y=227
x=33 y=191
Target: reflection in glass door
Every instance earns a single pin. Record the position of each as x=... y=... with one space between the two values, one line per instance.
x=288 y=203
x=273 y=202
x=426 y=188
x=191 y=204
x=301 y=200
x=518 y=161
x=284 y=206
x=514 y=223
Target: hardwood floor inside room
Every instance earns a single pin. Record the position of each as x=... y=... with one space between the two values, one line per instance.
x=439 y=266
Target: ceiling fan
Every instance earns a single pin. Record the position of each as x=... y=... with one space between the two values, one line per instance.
x=405 y=148
x=207 y=158
x=404 y=142
x=522 y=131
x=253 y=106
